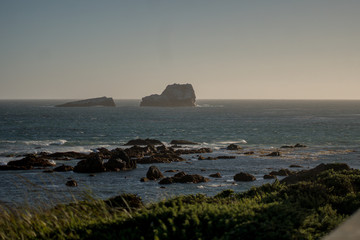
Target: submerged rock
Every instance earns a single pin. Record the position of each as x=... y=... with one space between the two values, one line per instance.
x=274 y=154
x=71 y=183
x=63 y=168
x=176 y=95
x=91 y=102
x=233 y=147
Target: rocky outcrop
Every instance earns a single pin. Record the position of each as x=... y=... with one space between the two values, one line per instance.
x=161 y=158
x=310 y=175
x=182 y=177
x=30 y=161
x=233 y=147
x=92 y=164
x=119 y=161
x=91 y=102
x=298 y=145
x=154 y=173
x=215 y=175
x=244 y=177
x=176 y=95
x=63 y=168
x=282 y=172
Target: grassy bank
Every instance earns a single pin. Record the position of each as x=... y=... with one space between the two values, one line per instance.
x=304 y=210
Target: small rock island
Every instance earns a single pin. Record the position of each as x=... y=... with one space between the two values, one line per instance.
x=91 y=102
x=175 y=95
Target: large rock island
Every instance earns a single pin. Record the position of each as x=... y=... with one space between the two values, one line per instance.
x=91 y=102
x=176 y=95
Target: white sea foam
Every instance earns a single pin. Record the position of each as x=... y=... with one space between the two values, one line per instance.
x=242 y=141
x=58 y=142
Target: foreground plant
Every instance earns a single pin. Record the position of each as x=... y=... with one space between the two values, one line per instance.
x=305 y=210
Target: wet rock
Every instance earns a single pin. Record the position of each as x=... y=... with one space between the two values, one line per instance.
x=233 y=147
x=92 y=164
x=63 y=168
x=167 y=180
x=215 y=175
x=65 y=155
x=310 y=175
x=115 y=164
x=295 y=166
x=32 y=160
x=208 y=158
x=298 y=145
x=282 y=172
x=182 y=142
x=48 y=171
x=71 y=183
x=161 y=158
x=7 y=167
x=201 y=158
x=139 y=152
x=274 y=154
x=171 y=170
x=194 y=178
x=268 y=176
x=193 y=151
x=144 y=179
x=249 y=153
x=180 y=174
x=104 y=152
x=154 y=173
x=244 y=177
x=140 y=141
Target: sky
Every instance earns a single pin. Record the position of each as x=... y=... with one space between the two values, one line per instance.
x=255 y=49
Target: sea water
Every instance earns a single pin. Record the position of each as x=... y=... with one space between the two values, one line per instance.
x=330 y=129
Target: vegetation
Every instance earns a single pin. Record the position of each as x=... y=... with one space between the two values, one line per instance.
x=305 y=210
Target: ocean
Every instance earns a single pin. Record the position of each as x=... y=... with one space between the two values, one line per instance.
x=330 y=130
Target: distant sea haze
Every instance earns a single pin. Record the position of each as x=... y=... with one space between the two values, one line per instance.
x=329 y=129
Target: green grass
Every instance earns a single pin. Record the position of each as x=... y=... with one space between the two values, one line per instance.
x=306 y=210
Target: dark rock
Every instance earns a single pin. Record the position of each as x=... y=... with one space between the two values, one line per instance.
x=120 y=160
x=233 y=147
x=244 y=177
x=167 y=180
x=287 y=146
x=203 y=170
x=48 y=171
x=215 y=175
x=298 y=145
x=104 y=152
x=193 y=151
x=201 y=158
x=163 y=148
x=71 y=183
x=194 y=178
x=282 y=172
x=7 y=167
x=179 y=174
x=171 y=170
x=147 y=141
x=65 y=155
x=208 y=158
x=91 y=102
x=268 y=176
x=176 y=95
x=310 y=175
x=144 y=179
x=274 y=154
x=161 y=158
x=31 y=160
x=154 y=173
x=249 y=153
x=92 y=175
x=115 y=164
x=182 y=142
x=126 y=201
x=295 y=166
x=139 y=152
x=63 y=168
x=162 y=187
x=226 y=157
x=92 y=164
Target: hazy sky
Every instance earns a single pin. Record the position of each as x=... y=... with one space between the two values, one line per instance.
x=255 y=49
